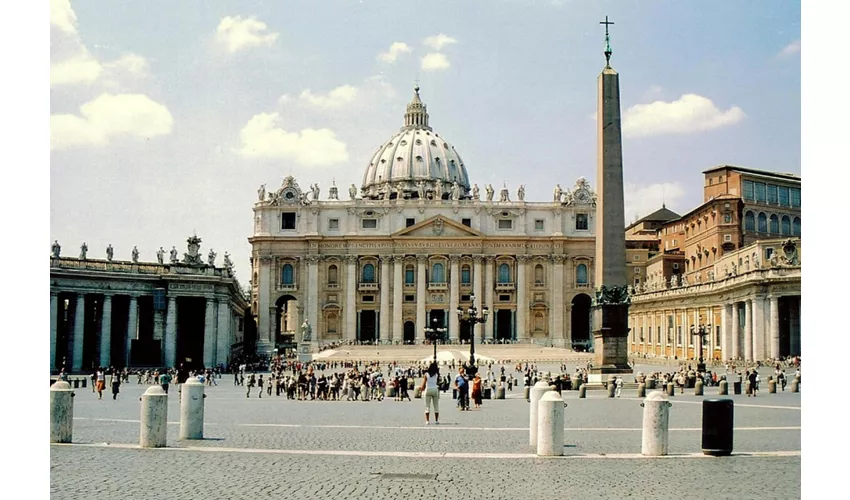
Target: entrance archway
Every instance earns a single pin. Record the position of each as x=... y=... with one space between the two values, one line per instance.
x=409 y=332
x=368 y=326
x=580 y=322
x=504 y=324
x=287 y=320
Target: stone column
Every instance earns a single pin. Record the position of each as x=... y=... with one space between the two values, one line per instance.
x=386 y=281
x=209 y=333
x=489 y=292
x=568 y=325
x=556 y=304
x=312 y=289
x=421 y=295
x=774 y=326
x=477 y=280
x=54 y=321
x=351 y=297
x=726 y=315
x=521 y=299
x=265 y=323
x=397 y=330
x=132 y=328
x=758 y=329
x=170 y=347
x=106 y=332
x=454 y=298
x=748 y=330
x=224 y=333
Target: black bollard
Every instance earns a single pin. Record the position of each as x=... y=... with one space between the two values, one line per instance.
x=718 y=419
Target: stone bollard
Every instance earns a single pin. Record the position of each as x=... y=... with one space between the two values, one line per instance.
x=582 y=392
x=641 y=390
x=525 y=392
x=671 y=389
x=539 y=389
x=500 y=392
x=577 y=383
x=154 y=428
x=698 y=388
x=795 y=385
x=61 y=412
x=550 y=425
x=417 y=393
x=771 y=386
x=656 y=424
x=611 y=388
x=723 y=388
x=192 y=410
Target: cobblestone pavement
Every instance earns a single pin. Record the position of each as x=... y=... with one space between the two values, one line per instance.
x=256 y=448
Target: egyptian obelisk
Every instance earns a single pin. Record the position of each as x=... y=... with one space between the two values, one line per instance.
x=611 y=302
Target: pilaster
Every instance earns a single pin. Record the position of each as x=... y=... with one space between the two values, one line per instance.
x=79 y=326
x=224 y=332
x=170 y=347
x=521 y=300
x=774 y=326
x=489 y=291
x=421 y=297
x=477 y=280
x=454 y=296
x=398 y=298
x=748 y=330
x=132 y=328
x=386 y=281
x=313 y=295
x=54 y=322
x=351 y=297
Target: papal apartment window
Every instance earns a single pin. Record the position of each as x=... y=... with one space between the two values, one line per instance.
x=538 y=224
x=409 y=222
x=466 y=222
x=581 y=222
x=675 y=265
x=287 y=221
x=506 y=224
x=370 y=223
x=333 y=224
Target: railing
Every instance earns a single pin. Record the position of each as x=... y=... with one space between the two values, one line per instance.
x=287 y=288
x=367 y=287
x=504 y=287
x=438 y=286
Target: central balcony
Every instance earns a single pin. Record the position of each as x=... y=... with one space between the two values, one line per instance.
x=287 y=288
x=367 y=287
x=505 y=287
x=437 y=286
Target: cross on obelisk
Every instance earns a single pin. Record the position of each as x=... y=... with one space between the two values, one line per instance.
x=607 y=41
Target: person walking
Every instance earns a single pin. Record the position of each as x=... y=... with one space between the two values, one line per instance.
x=260 y=385
x=618 y=386
x=462 y=387
x=432 y=393
x=100 y=382
x=165 y=380
x=116 y=384
x=753 y=378
x=476 y=391
x=250 y=384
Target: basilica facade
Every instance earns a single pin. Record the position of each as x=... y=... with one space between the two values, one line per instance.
x=417 y=241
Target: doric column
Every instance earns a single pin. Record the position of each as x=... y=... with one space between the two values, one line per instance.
x=748 y=330
x=489 y=292
x=726 y=314
x=350 y=297
x=521 y=300
x=79 y=327
x=477 y=282
x=759 y=348
x=735 y=331
x=312 y=286
x=386 y=280
x=209 y=333
x=556 y=304
x=397 y=330
x=454 y=298
x=171 y=332
x=224 y=333
x=774 y=326
x=265 y=319
x=106 y=332
x=54 y=321
x=132 y=328
x=421 y=294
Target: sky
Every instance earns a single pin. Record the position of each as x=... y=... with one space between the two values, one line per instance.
x=166 y=117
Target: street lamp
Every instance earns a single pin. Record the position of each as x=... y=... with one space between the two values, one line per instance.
x=471 y=315
x=700 y=331
x=434 y=333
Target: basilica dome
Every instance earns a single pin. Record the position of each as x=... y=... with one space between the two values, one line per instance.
x=416 y=162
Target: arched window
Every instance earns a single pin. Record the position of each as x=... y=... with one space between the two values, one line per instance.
x=333 y=275
x=786 y=226
x=438 y=273
x=409 y=275
x=762 y=223
x=581 y=274
x=749 y=221
x=368 y=273
x=796 y=226
x=538 y=274
x=287 y=275
x=774 y=224
x=465 y=275
x=504 y=273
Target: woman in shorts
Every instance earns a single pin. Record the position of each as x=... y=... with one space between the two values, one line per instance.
x=432 y=393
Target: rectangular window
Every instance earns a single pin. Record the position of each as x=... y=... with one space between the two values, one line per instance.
x=727 y=237
x=717 y=335
x=772 y=194
x=636 y=257
x=749 y=194
x=287 y=221
x=581 y=222
x=637 y=270
x=466 y=222
x=504 y=298
x=409 y=222
x=795 y=197
x=465 y=278
x=370 y=223
x=368 y=298
x=333 y=224
x=465 y=298
x=784 y=200
x=159 y=299
x=675 y=265
x=410 y=298
x=506 y=224
x=761 y=194
x=727 y=218
x=538 y=224
x=768 y=253
x=658 y=337
x=679 y=335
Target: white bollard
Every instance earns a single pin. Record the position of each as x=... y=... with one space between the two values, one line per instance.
x=61 y=412
x=656 y=424
x=540 y=388
x=192 y=410
x=154 y=428
x=550 y=425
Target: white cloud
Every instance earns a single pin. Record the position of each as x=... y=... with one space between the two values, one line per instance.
x=262 y=137
x=337 y=97
x=131 y=64
x=690 y=113
x=236 y=33
x=435 y=62
x=396 y=49
x=642 y=199
x=62 y=16
x=437 y=42
x=81 y=69
x=108 y=116
x=792 y=49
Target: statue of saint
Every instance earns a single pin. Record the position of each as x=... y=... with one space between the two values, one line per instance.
x=83 y=249
x=109 y=252
x=173 y=255
x=261 y=193
x=504 y=195
x=315 y=189
x=306 y=331
x=211 y=258
x=420 y=188
x=135 y=254
x=455 y=191
x=304 y=200
x=438 y=190
x=557 y=193
x=490 y=191
x=160 y=255
x=352 y=191
x=227 y=262
x=476 y=195
x=55 y=249
x=520 y=193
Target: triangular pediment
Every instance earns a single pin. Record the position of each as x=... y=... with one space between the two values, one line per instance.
x=438 y=227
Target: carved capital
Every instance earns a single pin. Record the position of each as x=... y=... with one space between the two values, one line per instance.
x=399 y=257
x=478 y=258
x=454 y=259
x=523 y=258
x=559 y=259
x=351 y=259
x=313 y=259
x=385 y=259
x=265 y=259
x=422 y=259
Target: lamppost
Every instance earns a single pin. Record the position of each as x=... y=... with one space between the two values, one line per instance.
x=471 y=316
x=434 y=333
x=700 y=331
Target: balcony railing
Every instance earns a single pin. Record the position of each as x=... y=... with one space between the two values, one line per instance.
x=367 y=287
x=503 y=287
x=287 y=288
x=438 y=286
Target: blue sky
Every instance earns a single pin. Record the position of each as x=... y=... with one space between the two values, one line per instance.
x=166 y=117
